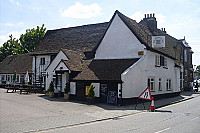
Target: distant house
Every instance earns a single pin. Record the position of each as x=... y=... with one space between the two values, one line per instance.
x=21 y=64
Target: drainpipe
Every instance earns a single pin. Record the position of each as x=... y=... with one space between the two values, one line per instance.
x=35 y=70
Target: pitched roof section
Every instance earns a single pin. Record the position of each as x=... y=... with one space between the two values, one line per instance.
x=75 y=60
x=81 y=38
x=19 y=63
x=105 y=69
x=142 y=33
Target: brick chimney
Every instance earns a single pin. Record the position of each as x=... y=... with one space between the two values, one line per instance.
x=150 y=21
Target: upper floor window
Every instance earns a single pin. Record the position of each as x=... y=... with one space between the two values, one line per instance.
x=185 y=55
x=160 y=60
x=42 y=61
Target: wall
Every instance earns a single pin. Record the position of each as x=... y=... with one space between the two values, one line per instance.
x=39 y=68
x=119 y=42
x=52 y=66
x=135 y=78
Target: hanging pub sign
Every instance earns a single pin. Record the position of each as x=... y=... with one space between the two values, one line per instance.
x=158 y=41
x=112 y=97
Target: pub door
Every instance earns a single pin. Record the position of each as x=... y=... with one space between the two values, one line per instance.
x=103 y=93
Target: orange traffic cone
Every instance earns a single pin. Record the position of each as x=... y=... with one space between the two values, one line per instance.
x=152 y=105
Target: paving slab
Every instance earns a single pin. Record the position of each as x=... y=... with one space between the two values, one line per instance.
x=37 y=112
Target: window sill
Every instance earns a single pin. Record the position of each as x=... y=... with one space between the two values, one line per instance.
x=169 y=90
x=152 y=90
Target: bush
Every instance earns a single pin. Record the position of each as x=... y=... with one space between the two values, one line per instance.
x=91 y=91
x=67 y=88
x=51 y=87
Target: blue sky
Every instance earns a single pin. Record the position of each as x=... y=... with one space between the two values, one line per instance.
x=179 y=17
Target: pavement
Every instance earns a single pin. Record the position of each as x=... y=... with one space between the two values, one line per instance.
x=38 y=113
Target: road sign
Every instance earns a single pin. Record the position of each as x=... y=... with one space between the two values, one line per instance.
x=146 y=94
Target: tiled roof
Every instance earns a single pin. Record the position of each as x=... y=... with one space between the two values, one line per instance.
x=80 y=38
x=75 y=60
x=110 y=69
x=19 y=63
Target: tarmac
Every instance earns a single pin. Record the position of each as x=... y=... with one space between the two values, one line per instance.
x=39 y=113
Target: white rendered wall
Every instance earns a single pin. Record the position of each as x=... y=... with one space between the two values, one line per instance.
x=135 y=78
x=38 y=66
x=52 y=66
x=119 y=42
x=96 y=89
x=73 y=88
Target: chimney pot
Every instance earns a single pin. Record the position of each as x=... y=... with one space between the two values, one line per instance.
x=147 y=15
x=153 y=14
x=150 y=15
x=164 y=29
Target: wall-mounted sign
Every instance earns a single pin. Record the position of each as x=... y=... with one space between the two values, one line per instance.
x=140 y=52
x=112 y=97
x=158 y=41
x=87 y=90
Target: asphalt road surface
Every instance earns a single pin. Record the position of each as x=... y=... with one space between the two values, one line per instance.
x=182 y=117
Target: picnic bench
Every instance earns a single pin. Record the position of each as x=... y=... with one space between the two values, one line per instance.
x=28 y=89
x=12 y=87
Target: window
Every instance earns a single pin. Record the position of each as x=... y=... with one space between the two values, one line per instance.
x=157 y=60
x=2 y=77
x=151 y=84
x=168 y=85
x=160 y=61
x=42 y=61
x=22 y=79
x=185 y=55
x=159 y=84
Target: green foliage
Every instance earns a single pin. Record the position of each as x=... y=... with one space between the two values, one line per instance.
x=51 y=87
x=31 y=38
x=10 y=47
x=67 y=88
x=26 y=43
x=91 y=91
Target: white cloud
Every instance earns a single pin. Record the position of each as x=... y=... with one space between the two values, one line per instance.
x=82 y=11
x=15 y=34
x=14 y=2
x=14 y=24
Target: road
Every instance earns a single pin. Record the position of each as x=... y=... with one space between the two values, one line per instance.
x=182 y=117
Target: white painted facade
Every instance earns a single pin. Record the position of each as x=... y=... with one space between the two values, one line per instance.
x=119 y=42
x=136 y=77
x=40 y=68
x=55 y=65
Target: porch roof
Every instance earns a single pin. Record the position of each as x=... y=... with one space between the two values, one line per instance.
x=107 y=69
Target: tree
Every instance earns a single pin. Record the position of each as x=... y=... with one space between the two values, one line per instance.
x=31 y=38
x=26 y=43
x=12 y=46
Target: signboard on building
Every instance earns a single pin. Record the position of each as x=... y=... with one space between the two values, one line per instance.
x=158 y=41
x=112 y=97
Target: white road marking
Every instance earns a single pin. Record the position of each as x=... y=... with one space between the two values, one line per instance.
x=195 y=118
x=162 y=130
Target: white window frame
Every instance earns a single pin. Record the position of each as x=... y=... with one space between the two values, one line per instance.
x=151 y=84
x=168 y=84
x=157 y=60
x=159 y=84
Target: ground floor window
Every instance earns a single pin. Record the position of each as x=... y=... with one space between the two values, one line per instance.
x=22 y=79
x=168 y=84
x=159 y=84
x=2 y=77
x=150 y=83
